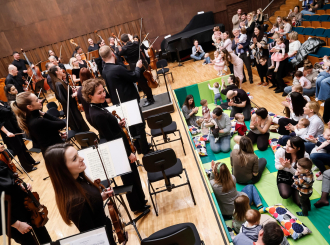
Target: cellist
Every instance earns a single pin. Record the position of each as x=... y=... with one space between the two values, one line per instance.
x=131 y=51
x=20 y=218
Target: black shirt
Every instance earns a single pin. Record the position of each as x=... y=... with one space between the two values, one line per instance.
x=241 y=97
x=229 y=87
x=107 y=125
x=76 y=71
x=16 y=81
x=93 y=48
x=83 y=65
x=118 y=77
x=20 y=64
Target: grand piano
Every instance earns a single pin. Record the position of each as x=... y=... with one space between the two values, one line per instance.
x=200 y=27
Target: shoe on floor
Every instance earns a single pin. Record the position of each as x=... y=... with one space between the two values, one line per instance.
x=279 y=90
x=36 y=163
x=265 y=84
x=318 y=174
x=273 y=86
x=320 y=178
x=259 y=84
x=284 y=94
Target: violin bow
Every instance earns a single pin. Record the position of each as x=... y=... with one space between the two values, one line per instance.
x=145 y=38
x=29 y=83
x=140 y=40
x=60 y=52
x=154 y=41
x=122 y=111
x=67 y=112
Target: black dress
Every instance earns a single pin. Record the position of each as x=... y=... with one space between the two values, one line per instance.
x=83 y=65
x=86 y=218
x=16 y=144
x=44 y=130
x=76 y=121
x=18 y=211
x=107 y=126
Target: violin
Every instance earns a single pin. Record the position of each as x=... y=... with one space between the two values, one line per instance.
x=83 y=56
x=152 y=56
x=38 y=211
x=133 y=149
x=121 y=45
x=4 y=156
x=73 y=85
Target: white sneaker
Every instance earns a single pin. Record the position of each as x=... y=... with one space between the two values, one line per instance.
x=322 y=104
x=316 y=99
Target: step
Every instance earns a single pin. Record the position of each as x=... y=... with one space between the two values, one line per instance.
x=293 y=1
x=287 y=7
x=282 y=13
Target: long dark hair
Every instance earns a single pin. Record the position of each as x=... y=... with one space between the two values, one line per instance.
x=261 y=33
x=84 y=75
x=10 y=97
x=226 y=56
x=298 y=103
x=296 y=142
x=186 y=103
x=67 y=189
x=245 y=146
x=235 y=80
x=223 y=177
x=52 y=73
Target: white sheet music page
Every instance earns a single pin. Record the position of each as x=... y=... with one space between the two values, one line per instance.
x=129 y=110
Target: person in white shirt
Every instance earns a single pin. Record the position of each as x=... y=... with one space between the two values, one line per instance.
x=301 y=127
x=294 y=44
x=216 y=91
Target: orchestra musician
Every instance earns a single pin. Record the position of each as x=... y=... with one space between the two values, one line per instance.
x=92 y=46
x=77 y=50
x=14 y=78
x=95 y=46
x=114 y=48
x=20 y=64
x=52 y=53
x=49 y=80
x=108 y=127
x=42 y=127
x=53 y=60
x=20 y=218
x=11 y=92
x=76 y=121
x=144 y=49
x=131 y=50
x=119 y=78
x=81 y=63
x=78 y=199
x=75 y=69
x=9 y=127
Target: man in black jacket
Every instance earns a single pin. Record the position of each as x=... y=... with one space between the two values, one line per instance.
x=118 y=78
x=131 y=50
x=14 y=78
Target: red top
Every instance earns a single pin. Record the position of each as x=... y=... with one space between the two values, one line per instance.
x=240 y=128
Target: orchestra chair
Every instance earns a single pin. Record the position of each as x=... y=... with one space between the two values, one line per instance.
x=162 y=125
x=163 y=71
x=35 y=148
x=180 y=234
x=54 y=105
x=55 y=113
x=40 y=87
x=86 y=139
x=164 y=165
x=72 y=137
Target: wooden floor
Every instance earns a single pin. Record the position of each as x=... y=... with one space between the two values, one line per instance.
x=176 y=206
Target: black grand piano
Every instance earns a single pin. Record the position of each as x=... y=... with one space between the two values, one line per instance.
x=200 y=27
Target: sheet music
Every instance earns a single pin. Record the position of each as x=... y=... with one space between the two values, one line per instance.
x=131 y=112
x=93 y=237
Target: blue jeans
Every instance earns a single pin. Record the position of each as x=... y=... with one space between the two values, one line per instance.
x=223 y=144
x=282 y=141
x=303 y=12
x=309 y=147
x=253 y=195
x=320 y=160
x=308 y=92
x=207 y=60
x=216 y=98
x=197 y=57
x=322 y=91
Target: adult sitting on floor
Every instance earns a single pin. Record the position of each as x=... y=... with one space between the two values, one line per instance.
x=316 y=125
x=222 y=142
x=247 y=168
x=322 y=89
x=259 y=133
x=233 y=83
x=325 y=189
x=296 y=106
x=240 y=103
x=189 y=111
x=286 y=164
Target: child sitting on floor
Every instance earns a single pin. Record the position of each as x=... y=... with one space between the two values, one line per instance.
x=252 y=225
x=216 y=91
x=206 y=123
x=304 y=82
x=323 y=141
x=240 y=126
x=241 y=205
x=301 y=127
x=303 y=182
x=205 y=108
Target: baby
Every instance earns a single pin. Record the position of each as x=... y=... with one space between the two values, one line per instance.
x=281 y=29
x=218 y=44
x=240 y=126
x=216 y=91
x=293 y=21
x=322 y=142
x=326 y=58
x=205 y=108
x=207 y=123
x=251 y=226
x=242 y=40
x=301 y=127
x=304 y=82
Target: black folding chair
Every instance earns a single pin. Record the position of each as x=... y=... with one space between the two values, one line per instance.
x=163 y=71
x=39 y=87
x=180 y=234
x=162 y=125
x=86 y=139
x=163 y=165
x=54 y=105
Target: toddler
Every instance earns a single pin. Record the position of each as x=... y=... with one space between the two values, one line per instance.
x=252 y=226
x=206 y=123
x=278 y=57
x=241 y=205
x=293 y=21
x=240 y=126
x=205 y=108
x=301 y=127
x=216 y=91
x=218 y=63
x=281 y=29
x=304 y=82
x=322 y=142
x=218 y=44
x=242 y=40
x=303 y=181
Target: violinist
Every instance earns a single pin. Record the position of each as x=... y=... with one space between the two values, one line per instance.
x=75 y=69
x=11 y=92
x=144 y=49
x=131 y=50
x=119 y=78
x=42 y=127
x=20 y=218
x=77 y=50
x=108 y=127
x=52 y=53
x=81 y=63
x=76 y=121
x=14 y=78
x=20 y=64
x=78 y=199
x=49 y=80
x=92 y=47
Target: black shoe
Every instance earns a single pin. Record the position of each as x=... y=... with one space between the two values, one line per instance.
x=34 y=168
x=251 y=82
x=142 y=210
x=244 y=81
x=145 y=201
x=147 y=103
x=284 y=94
x=36 y=163
x=273 y=86
x=279 y=90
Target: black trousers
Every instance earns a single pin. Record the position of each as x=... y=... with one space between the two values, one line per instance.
x=262 y=72
x=25 y=159
x=247 y=62
x=305 y=202
x=245 y=110
x=27 y=239
x=326 y=115
x=261 y=139
x=136 y=197
x=282 y=123
x=281 y=73
x=143 y=85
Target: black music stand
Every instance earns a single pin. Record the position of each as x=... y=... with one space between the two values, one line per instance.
x=178 y=47
x=164 y=73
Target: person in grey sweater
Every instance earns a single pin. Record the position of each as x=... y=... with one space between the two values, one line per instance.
x=224 y=126
x=189 y=111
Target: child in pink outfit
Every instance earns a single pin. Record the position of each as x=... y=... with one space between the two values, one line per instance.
x=218 y=63
x=278 y=57
x=304 y=82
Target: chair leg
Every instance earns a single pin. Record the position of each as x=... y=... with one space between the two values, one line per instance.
x=154 y=143
x=72 y=141
x=182 y=143
x=172 y=77
x=191 y=192
x=152 y=200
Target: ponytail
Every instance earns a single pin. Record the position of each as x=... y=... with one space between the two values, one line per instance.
x=235 y=80
x=19 y=107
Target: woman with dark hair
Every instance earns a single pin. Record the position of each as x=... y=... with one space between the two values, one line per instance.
x=220 y=142
x=287 y=26
x=247 y=168
x=296 y=107
x=237 y=63
x=295 y=14
x=78 y=199
x=189 y=111
x=233 y=83
x=76 y=121
x=11 y=92
x=286 y=159
x=226 y=42
x=42 y=127
x=259 y=129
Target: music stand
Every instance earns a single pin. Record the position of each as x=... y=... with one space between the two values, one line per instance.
x=163 y=71
x=92 y=55
x=177 y=47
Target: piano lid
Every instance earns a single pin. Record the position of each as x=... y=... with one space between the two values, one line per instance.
x=198 y=21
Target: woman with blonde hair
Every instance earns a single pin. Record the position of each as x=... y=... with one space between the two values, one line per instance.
x=250 y=26
x=260 y=17
x=75 y=69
